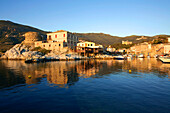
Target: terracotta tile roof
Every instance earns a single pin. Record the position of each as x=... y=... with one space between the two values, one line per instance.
x=59 y=31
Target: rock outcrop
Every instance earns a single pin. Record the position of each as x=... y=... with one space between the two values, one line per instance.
x=20 y=52
x=23 y=52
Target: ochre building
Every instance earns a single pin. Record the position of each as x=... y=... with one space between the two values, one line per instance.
x=59 y=40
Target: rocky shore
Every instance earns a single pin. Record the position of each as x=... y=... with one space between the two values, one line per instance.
x=24 y=52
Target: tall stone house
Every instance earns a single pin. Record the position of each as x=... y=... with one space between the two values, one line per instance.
x=58 y=40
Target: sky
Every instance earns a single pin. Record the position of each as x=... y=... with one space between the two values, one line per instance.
x=114 y=17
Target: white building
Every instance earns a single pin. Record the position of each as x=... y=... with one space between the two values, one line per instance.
x=169 y=40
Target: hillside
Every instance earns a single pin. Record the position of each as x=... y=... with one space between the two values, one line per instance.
x=99 y=38
x=106 y=39
x=12 y=33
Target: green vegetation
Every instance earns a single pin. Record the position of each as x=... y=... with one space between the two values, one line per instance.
x=4 y=47
x=43 y=51
x=120 y=46
x=160 y=39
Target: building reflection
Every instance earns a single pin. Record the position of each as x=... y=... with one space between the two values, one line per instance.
x=66 y=73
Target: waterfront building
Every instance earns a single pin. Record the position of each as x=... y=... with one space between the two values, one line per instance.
x=89 y=48
x=168 y=39
x=126 y=42
x=142 y=37
x=167 y=49
x=110 y=49
x=151 y=50
x=59 y=40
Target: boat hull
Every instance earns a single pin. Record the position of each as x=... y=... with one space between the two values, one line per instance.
x=165 y=60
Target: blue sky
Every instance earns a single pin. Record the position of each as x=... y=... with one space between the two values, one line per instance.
x=115 y=17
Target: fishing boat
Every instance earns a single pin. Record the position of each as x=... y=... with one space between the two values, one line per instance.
x=165 y=59
x=119 y=57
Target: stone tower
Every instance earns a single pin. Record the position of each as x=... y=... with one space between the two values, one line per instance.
x=31 y=37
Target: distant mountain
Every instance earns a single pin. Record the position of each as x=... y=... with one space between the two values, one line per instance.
x=106 y=39
x=12 y=33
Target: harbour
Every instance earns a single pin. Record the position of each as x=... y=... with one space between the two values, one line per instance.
x=85 y=86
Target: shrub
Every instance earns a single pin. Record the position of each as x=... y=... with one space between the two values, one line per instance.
x=42 y=50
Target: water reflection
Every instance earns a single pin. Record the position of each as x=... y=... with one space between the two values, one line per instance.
x=65 y=73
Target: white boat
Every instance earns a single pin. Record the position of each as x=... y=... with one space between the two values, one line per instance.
x=141 y=56
x=119 y=57
x=165 y=59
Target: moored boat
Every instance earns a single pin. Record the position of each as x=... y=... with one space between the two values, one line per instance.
x=119 y=57
x=165 y=59
x=141 y=56
x=29 y=60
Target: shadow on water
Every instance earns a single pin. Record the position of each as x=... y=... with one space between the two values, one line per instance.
x=67 y=73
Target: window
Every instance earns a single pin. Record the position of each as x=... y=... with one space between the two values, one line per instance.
x=91 y=44
x=49 y=37
x=64 y=41
x=59 y=44
x=49 y=45
x=82 y=44
x=44 y=45
x=88 y=44
x=63 y=35
x=55 y=36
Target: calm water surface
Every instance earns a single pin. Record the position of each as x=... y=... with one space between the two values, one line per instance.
x=96 y=86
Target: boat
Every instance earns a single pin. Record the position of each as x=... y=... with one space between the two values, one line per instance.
x=129 y=57
x=119 y=57
x=141 y=56
x=165 y=59
x=29 y=60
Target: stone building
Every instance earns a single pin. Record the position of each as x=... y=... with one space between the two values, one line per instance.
x=151 y=50
x=167 y=49
x=59 y=40
x=126 y=42
x=111 y=49
x=31 y=37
